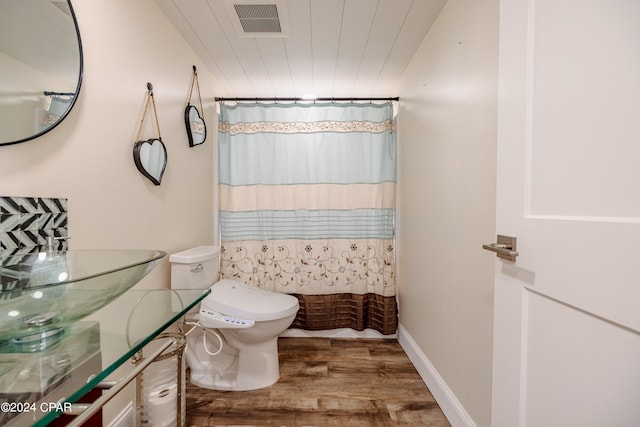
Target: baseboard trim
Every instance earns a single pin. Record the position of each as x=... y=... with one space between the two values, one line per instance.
x=450 y=405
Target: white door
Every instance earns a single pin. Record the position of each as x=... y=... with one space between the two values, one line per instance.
x=567 y=311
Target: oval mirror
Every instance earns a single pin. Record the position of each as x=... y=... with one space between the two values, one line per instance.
x=40 y=65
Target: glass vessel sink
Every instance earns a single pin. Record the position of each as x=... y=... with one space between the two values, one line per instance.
x=42 y=292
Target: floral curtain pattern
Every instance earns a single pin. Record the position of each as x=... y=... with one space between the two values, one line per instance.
x=313 y=267
x=307 y=204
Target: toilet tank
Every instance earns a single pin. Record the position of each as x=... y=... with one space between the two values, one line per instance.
x=195 y=268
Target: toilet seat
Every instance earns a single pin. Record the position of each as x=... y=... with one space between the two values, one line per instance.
x=237 y=299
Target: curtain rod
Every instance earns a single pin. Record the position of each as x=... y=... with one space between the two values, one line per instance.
x=307 y=100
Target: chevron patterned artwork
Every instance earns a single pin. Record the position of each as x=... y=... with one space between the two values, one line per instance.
x=25 y=225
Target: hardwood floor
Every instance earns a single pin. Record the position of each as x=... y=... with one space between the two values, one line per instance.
x=326 y=381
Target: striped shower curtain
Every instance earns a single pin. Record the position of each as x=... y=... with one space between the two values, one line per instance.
x=307 y=207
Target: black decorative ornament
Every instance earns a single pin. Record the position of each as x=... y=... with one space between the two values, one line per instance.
x=196 y=127
x=150 y=158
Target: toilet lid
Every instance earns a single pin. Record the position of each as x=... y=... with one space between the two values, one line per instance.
x=237 y=299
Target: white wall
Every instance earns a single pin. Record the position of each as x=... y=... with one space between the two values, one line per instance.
x=447 y=144
x=88 y=158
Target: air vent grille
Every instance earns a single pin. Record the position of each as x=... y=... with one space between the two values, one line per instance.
x=258 y=18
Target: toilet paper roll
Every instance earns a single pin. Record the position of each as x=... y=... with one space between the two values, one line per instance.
x=159 y=408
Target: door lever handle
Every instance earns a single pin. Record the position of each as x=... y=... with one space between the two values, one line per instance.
x=505 y=248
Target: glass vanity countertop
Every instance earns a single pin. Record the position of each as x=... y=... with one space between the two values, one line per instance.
x=91 y=349
x=46 y=288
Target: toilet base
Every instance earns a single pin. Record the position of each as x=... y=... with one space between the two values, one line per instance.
x=250 y=367
x=227 y=383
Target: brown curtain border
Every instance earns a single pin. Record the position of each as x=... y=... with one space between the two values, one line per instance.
x=344 y=310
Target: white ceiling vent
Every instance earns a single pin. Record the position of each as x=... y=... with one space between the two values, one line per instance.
x=259 y=18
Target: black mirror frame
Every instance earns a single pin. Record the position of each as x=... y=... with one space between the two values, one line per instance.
x=136 y=158
x=77 y=92
x=187 y=122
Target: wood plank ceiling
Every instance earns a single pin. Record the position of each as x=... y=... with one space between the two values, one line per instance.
x=330 y=48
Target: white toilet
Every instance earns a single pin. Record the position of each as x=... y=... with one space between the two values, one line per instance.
x=235 y=346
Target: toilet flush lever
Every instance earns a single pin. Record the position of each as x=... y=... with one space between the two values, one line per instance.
x=505 y=248
x=197 y=269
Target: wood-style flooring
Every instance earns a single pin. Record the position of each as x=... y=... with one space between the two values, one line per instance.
x=326 y=381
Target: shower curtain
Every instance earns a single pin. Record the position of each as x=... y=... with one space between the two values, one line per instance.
x=307 y=207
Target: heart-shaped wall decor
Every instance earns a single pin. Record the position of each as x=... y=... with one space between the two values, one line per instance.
x=150 y=158
x=196 y=128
